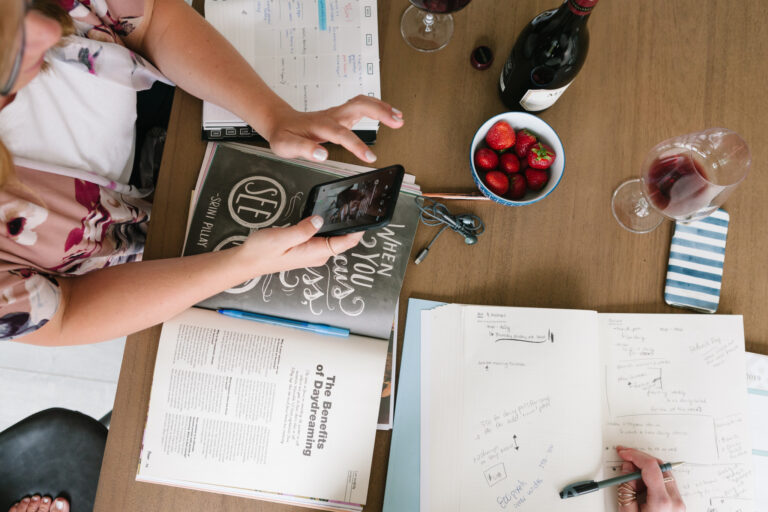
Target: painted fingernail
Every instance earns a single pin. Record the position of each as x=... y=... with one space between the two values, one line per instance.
x=397 y=112
x=398 y=119
x=316 y=221
x=46 y=499
x=370 y=156
x=320 y=154
x=59 y=505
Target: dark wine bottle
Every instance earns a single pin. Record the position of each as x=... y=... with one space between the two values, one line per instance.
x=547 y=55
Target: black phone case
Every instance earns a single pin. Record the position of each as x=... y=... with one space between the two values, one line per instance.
x=352 y=179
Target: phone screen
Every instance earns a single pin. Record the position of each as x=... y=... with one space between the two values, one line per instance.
x=357 y=201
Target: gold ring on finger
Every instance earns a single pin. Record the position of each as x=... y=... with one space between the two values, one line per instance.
x=626 y=494
x=330 y=247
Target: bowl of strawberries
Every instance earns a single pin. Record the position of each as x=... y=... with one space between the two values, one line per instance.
x=516 y=159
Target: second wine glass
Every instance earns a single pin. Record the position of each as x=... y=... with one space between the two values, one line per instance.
x=684 y=178
x=427 y=25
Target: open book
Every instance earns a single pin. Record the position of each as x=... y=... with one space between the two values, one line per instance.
x=314 y=55
x=261 y=411
x=267 y=412
x=531 y=400
x=243 y=188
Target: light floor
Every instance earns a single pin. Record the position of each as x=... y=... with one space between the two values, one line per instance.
x=82 y=378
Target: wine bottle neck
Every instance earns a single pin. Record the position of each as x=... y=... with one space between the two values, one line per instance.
x=580 y=7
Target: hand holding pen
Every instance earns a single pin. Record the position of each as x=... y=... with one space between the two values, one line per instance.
x=661 y=492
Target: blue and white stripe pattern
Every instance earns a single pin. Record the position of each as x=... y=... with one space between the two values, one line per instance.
x=696 y=258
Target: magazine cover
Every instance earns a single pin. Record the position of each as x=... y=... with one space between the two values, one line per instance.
x=243 y=191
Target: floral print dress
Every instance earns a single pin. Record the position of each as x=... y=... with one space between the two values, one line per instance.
x=62 y=222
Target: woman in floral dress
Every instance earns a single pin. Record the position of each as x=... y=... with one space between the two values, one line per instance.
x=72 y=224
x=68 y=213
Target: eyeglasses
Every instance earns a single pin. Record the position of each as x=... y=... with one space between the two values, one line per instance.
x=11 y=64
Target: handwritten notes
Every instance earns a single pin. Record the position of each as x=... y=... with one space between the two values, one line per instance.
x=673 y=386
x=517 y=403
x=496 y=397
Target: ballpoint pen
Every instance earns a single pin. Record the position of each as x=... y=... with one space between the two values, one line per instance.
x=579 y=488
x=285 y=322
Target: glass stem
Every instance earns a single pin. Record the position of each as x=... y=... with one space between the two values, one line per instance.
x=429 y=20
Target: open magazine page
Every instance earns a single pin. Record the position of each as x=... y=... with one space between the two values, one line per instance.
x=249 y=406
x=387 y=406
x=245 y=190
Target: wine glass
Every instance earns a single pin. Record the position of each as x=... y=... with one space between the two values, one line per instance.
x=684 y=178
x=427 y=25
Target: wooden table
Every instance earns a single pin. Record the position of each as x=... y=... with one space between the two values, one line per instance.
x=655 y=69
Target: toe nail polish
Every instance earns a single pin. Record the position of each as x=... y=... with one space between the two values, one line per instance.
x=46 y=499
x=59 y=505
x=35 y=498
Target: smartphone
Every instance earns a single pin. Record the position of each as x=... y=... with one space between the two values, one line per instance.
x=695 y=268
x=356 y=203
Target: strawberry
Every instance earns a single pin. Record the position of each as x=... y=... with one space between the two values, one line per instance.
x=498 y=182
x=536 y=178
x=540 y=156
x=486 y=159
x=501 y=136
x=516 y=186
x=509 y=163
x=525 y=139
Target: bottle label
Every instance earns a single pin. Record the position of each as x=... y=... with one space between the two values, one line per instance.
x=539 y=99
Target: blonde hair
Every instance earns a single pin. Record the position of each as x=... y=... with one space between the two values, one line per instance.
x=53 y=10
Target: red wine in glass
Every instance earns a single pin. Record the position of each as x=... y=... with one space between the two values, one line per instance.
x=677 y=185
x=440 y=6
x=427 y=25
x=684 y=178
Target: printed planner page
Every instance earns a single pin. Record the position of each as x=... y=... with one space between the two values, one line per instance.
x=674 y=387
x=314 y=54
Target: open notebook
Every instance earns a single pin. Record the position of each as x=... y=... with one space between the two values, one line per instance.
x=314 y=55
x=530 y=400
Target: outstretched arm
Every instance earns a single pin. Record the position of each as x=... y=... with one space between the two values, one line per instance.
x=116 y=301
x=201 y=61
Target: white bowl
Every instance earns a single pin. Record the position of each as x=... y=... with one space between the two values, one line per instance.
x=544 y=133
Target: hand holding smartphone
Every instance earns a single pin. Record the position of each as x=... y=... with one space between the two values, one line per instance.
x=356 y=203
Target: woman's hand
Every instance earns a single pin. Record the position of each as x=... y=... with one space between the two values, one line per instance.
x=295 y=134
x=660 y=495
x=277 y=249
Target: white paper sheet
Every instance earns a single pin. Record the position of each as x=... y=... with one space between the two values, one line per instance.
x=516 y=417
x=673 y=387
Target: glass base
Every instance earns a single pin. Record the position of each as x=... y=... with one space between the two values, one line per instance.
x=631 y=208
x=425 y=31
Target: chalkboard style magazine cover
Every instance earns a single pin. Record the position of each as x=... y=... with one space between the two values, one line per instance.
x=244 y=190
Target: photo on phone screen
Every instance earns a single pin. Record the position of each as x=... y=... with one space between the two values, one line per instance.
x=356 y=203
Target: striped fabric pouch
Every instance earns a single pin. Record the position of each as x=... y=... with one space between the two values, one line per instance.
x=696 y=256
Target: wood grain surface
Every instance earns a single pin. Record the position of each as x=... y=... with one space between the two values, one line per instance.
x=655 y=69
